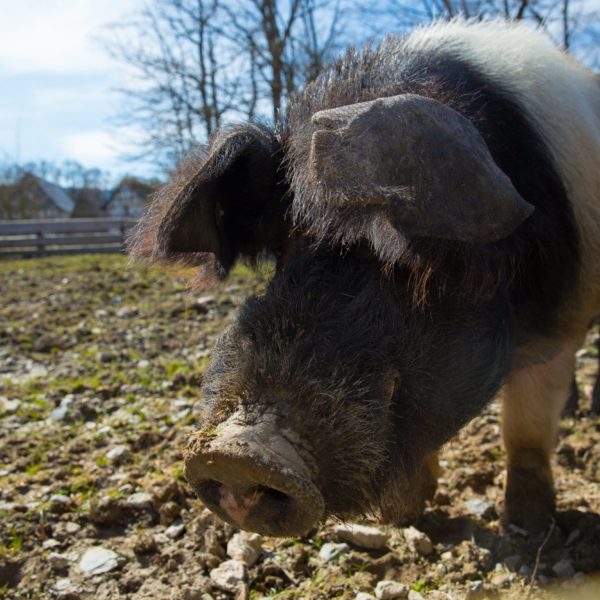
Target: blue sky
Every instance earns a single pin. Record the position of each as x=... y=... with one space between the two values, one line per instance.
x=56 y=82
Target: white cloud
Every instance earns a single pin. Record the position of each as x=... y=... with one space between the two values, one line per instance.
x=105 y=149
x=57 y=35
x=90 y=147
x=56 y=80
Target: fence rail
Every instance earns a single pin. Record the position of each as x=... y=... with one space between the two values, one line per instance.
x=63 y=236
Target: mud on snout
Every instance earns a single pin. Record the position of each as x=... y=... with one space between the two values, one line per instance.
x=253 y=477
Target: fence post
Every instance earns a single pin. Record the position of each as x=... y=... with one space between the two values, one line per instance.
x=40 y=245
x=124 y=230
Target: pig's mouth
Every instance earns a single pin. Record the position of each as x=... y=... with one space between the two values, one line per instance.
x=253 y=477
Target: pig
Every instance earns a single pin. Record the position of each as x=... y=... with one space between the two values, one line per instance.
x=432 y=204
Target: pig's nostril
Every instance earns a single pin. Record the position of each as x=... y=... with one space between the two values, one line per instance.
x=209 y=489
x=272 y=495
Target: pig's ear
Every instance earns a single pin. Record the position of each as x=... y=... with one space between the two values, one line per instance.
x=415 y=165
x=222 y=204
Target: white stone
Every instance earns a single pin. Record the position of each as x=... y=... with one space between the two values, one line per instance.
x=330 y=551
x=362 y=536
x=388 y=590
x=9 y=406
x=418 y=541
x=563 y=569
x=60 y=413
x=176 y=530
x=72 y=528
x=50 y=543
x=64 y=588
x=413 y=595
x=229 y=575
x=59 y=499
x=139 y=500
x=364 y=596
x=97 y=560
x=245 y=546
x=118 y=453
x=480 y=507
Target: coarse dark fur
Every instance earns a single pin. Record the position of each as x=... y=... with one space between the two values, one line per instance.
x=538 y=264
x=373 y=347
x=334 y=348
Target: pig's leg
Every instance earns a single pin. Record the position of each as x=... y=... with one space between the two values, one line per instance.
x=533 y=399
x=402 y=501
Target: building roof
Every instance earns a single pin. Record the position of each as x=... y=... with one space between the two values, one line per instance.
x=57 y=195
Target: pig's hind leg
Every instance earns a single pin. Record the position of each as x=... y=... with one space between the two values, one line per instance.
x=533 y=399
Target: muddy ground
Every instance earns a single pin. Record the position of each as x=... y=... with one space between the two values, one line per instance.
x=99 y=375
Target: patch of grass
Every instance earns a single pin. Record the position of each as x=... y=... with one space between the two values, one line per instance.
x=177 y=366
x=34 y=466
x=424 y=586
x=494 y=454
x=13 y=546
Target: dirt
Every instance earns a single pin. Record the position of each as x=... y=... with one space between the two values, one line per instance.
x=99 y=375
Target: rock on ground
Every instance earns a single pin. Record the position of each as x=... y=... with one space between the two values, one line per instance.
x=418 y=541
x=331 y=551
x=98 y=560
x=245 y=546
x=362 y=536
x=229 y=575
x=389 y=590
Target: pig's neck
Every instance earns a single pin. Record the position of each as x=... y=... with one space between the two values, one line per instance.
x=454 y=355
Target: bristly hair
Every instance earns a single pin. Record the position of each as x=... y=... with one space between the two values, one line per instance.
x=225 y=201
x=530 y=264
x=142 y=243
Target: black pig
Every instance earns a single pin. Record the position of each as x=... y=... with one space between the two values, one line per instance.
x=434 y=207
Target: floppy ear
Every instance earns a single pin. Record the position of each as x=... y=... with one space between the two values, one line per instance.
x=226 y=203
x=415 y=164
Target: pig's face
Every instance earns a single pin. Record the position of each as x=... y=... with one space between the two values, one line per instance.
x=332 y=389
x=299 y=394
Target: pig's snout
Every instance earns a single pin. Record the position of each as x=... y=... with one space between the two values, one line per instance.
x=253 y=477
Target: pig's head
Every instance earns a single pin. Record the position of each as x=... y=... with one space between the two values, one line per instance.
x=374 y=341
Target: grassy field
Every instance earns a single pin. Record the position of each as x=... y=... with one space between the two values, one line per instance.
x=100 y=367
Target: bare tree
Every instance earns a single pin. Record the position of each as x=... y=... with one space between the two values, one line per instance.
x=195 y=61
x=182 y=78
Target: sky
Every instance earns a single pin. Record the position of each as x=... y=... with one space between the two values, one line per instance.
x=57 y=98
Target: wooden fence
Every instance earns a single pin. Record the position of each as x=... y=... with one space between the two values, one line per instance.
x=62 y=236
